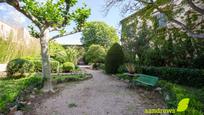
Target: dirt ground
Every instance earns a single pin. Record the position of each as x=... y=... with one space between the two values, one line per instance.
x=101 y=95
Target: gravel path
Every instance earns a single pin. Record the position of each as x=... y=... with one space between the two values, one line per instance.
x=101 y=95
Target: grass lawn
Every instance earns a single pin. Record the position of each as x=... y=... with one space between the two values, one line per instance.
x=11 y=89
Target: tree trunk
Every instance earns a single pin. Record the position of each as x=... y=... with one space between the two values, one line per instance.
x=46 y=70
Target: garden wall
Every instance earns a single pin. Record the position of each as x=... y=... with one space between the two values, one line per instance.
x=16 y=42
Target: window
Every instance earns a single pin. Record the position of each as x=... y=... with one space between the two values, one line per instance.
x=162 y=21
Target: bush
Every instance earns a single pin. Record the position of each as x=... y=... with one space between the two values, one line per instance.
x=71 y=77
x=114 y=59
x=95 y=54
x=189 y=77
x=38 y=66
x=72 y=55
x=68 y=66
x=18 y=67
x=130 y=68
x=176 y=93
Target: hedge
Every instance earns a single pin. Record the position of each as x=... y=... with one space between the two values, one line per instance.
x=68 y=67
x=38 y=66
x=19 y=67
x=183 y=76
x=114 y=59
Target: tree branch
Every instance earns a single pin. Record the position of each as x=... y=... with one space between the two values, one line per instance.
x=62 y=35
x=15 y=4
x=196 y=8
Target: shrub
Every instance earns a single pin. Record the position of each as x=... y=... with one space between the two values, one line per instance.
x=114 y=59
x=38 y=66
x=122 y=69
x=176 y=93
x=71 y=77
x=95 y=54
x=18 y=68
x=130 y=68
x=72 y=55
x=68 y=66
x=189 y=77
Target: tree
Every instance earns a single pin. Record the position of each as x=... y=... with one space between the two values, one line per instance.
x=95 y=54
x=171 y=11
x=49 y=16
x=99 y=33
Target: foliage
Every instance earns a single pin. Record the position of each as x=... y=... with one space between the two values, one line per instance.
x=188 y=77
x=18 y=67
x=95 y=54
x=173 y=12
x=114 y=59
x=122 y=76
x=56 y=50
x=49 y=16
x=72 y=55
x=153 y=48
x=11 y=50
x=101 y=66
x=11 y=89
x=99 y=33
x=122 y=69
x=38 y=66
x=68 y=67
x=177 y=93
x=68 y=78
x=130 y=68
x=61 y=54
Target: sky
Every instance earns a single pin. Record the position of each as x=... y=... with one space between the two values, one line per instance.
x=14 y=18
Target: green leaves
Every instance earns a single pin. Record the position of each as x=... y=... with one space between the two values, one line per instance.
x=53 y=14
x=99 y=33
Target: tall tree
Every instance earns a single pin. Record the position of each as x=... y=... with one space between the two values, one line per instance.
x=99 y=33
x=49 y=16
x=172 y=10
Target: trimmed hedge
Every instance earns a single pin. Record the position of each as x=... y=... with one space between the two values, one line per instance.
x=68 y=66
x=38 y=66
x=183 y=76
x=18 y=67
x=114 y=59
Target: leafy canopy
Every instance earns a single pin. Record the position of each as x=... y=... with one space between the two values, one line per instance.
x=99 y=33
x=52 y=14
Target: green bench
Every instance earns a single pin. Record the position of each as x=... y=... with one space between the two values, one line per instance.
x=144 y=80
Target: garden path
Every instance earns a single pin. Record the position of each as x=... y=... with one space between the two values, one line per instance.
x=101 y=95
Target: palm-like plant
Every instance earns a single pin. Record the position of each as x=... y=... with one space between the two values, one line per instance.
x=130 y=68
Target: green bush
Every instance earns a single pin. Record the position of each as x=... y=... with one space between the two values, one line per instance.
x=11 y=89
x=95 y=54
x=38 y=66
x=176 y=93
x=18 y=67
x=68 y=67
x=68 y=78
x=183 y=76
x=114 y=59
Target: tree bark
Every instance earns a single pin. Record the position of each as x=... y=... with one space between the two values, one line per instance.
x=46 y=69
